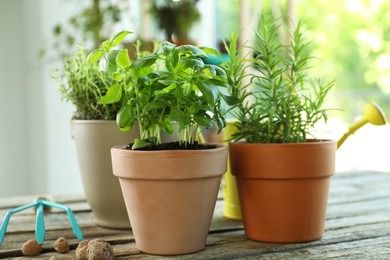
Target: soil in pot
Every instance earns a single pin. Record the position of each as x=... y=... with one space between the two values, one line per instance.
x=173 y=146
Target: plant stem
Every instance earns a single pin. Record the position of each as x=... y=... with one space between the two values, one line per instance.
x=97 y=21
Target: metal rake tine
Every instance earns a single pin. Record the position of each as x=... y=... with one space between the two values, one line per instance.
x=40 y=224
x=76 y=228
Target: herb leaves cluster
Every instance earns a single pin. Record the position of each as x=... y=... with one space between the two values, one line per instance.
x=281 y=103
x=172 y=84
x=83 y=85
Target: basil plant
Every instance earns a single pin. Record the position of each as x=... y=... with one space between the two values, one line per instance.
x=171 y=84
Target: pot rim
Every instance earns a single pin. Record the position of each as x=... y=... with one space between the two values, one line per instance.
x=92 y=121
x=158 y=165
x=218 y=147
x=309 y=142
x=283 y=161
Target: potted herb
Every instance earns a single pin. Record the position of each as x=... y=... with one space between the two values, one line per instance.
x=94 y=132
x=282 y=171
x=170 y=189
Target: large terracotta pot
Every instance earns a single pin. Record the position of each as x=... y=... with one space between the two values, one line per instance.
x=170 y=196
x=283 y=188
x=93 y=140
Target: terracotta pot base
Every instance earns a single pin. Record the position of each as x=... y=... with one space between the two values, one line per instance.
x=170 y=196
x=161 y=226
x=283 y=189
x=284 y=211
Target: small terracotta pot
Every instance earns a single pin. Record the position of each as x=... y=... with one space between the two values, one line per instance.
x=170 y=196
x=283 y=188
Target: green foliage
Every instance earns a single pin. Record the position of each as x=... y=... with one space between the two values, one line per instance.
x=353 y=40
x=92 y=22
x=170 y=84
x=175 y=17
x=281 y=103
x=84 y=85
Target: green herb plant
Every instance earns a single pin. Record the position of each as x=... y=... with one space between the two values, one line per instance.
x=281 y=103
x=172 y=84
x=83 y=85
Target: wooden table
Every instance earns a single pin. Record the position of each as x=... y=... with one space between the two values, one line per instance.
x=357 y=227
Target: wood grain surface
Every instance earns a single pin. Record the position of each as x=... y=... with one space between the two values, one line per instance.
x=357 y=227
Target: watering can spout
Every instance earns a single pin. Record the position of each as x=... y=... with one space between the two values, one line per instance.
x=372 y=114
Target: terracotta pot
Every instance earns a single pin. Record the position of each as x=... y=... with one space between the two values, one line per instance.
x=170 y=196
x=283 y=188
x=93 y=140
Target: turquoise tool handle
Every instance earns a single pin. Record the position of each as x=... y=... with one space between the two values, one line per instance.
x=40 y=224
x=73 y=222
x=4 y=226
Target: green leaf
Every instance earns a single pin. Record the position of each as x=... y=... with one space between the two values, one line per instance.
x=140 y=72
x=209 y=50
x=231 y=100
x=154 y=105
x=192 y=50
x=118 y=38
x=144 y=98
x=113 y=95
x=143 y=80
x=195 y=107
x=123 y=59
x=106 y=46
x=211 y=68
x=139 y=144
x=117 y=76
x=111 y=61
x=210 y=91
x=125 y=118
x=174 y=59
x=145 y=61
x=204 y=121
x=168 y=82
x=154 y=75
x=165 y=48
x=103 y=65
x=216 y=71
x=94 y=56
x=221 y=123
x=177 y=115
x=191 y=63
x=168 y=126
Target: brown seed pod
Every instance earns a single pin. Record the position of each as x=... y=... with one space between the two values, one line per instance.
x=31 y=248
x=98 y=249
x=81 y=250
x=61 y=245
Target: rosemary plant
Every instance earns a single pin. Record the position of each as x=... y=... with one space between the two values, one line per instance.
x=281 y=103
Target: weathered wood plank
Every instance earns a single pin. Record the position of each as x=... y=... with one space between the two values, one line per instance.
x=236 y=245
x=357 y=226
x=13 y=202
